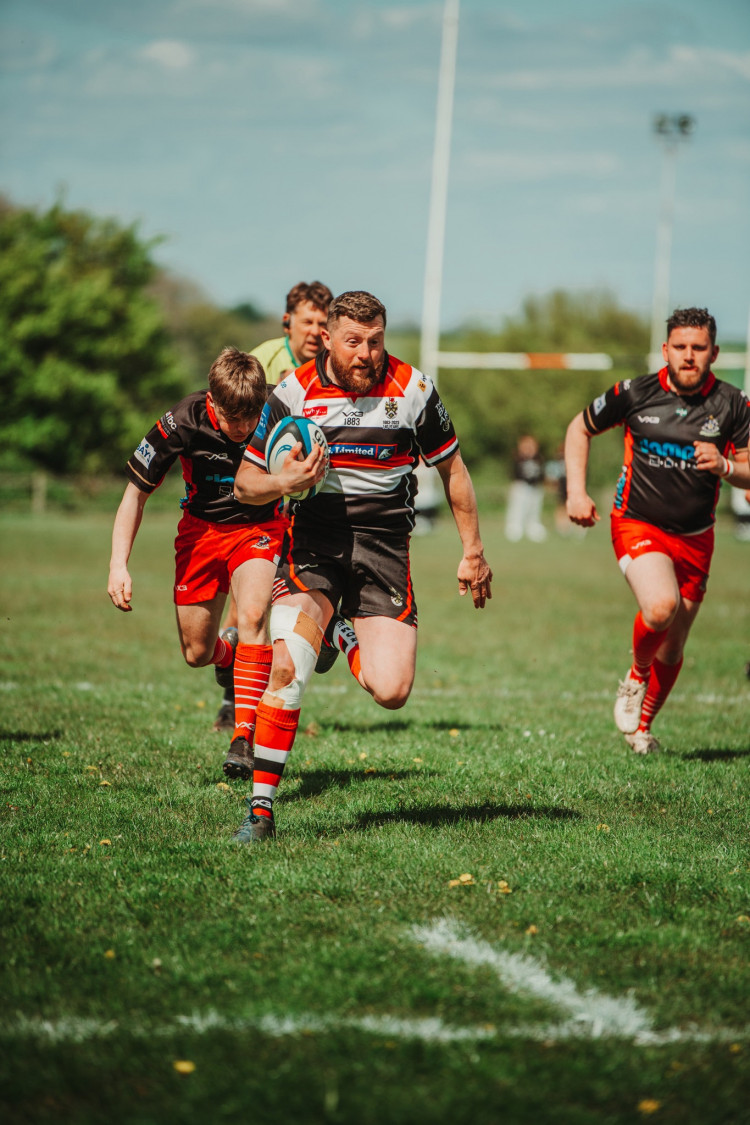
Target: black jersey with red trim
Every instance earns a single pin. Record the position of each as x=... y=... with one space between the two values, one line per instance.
x=375 y=441
x=659 y=482
x=209 y=459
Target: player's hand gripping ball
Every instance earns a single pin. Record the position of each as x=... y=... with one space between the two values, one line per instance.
x=282 y=439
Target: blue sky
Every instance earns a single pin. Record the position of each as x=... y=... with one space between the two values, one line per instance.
x=276 y=140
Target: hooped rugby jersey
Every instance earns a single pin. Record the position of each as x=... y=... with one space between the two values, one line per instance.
x=659 y=482
x=209 y=459
x=374 y=439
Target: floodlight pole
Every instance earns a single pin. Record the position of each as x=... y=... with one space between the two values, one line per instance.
x=430 y=337
x=669 y=130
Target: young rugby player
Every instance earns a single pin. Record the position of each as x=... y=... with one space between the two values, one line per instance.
x=681 y=425
x=349 y=544
x=304 y=318
x=220 y=542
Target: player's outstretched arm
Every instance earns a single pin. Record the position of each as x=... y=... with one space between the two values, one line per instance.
x=580 y=507
x=474 y=573
x=254 y=486
x=735 y=470
x=127 y=522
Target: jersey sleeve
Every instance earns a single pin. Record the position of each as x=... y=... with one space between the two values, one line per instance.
x=274 y=410
x=155 y=454
x=434 y=430
x=609 y=409
x=740 y=438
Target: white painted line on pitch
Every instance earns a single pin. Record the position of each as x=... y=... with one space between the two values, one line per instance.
x=592 y=1014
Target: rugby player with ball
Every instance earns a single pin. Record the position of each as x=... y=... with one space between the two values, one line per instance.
x=348 y=544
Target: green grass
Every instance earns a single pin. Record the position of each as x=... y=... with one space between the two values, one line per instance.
x=628 y=876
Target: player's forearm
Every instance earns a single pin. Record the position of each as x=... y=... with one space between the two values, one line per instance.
x=252 y=486
x=459 y=492
x=577 y=448
x=127 y=522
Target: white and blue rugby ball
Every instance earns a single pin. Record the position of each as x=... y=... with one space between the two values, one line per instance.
x=282 y=439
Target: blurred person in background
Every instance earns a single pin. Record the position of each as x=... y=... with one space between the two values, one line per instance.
x=526 y=493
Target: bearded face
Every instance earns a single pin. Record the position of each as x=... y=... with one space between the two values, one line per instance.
x=689 y=354
x=355 y=353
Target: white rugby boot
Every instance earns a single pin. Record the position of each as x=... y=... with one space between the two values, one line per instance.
x=643 y=742
x=628 y=704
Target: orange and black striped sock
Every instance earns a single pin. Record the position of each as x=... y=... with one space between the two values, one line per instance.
x=275 y=729
x=345 y=640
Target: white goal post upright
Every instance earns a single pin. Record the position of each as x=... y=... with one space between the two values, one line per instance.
x=430 y=338
x=430 y=356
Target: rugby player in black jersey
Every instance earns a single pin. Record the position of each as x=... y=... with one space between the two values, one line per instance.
x=684 y=430
x=220 y=543
x=349 y=544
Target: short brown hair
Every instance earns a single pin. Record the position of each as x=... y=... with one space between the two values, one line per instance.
x=315 y=292
x=692 y=318
x=237 y=383
x=357 y=305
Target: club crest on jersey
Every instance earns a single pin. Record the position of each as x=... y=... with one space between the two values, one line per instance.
x=262 y=543
x=391 y=408
x=710 y=428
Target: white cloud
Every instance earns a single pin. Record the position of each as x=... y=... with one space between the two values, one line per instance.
x=640 y=67
x=540 y=166
x=169 y=53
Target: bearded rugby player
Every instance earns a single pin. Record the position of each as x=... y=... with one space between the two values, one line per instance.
x=685 y=430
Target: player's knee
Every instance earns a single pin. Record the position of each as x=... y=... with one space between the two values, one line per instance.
x=252 y=619
x=392 y=696
x=196 y=655
x=296 y=643
x=660 y=614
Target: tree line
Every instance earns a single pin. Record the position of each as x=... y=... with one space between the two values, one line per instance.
x=96 y=340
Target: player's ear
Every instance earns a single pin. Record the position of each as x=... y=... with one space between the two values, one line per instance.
x=714 y=353
x=286 y=322
x=325 y=336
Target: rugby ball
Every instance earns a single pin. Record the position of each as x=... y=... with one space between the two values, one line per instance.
x=282 y=439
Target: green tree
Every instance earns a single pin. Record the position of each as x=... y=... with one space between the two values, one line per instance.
x=200 y=329
x=86 y=362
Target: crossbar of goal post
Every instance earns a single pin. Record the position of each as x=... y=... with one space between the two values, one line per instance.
x=556 y=361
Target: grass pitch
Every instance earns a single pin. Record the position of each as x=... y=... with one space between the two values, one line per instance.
x=483 y=908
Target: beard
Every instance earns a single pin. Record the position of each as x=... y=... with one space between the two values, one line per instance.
x=690 y=381
x=357 y=379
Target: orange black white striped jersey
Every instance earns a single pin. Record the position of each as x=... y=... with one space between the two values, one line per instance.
x=375 y=441
x=659 y=482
